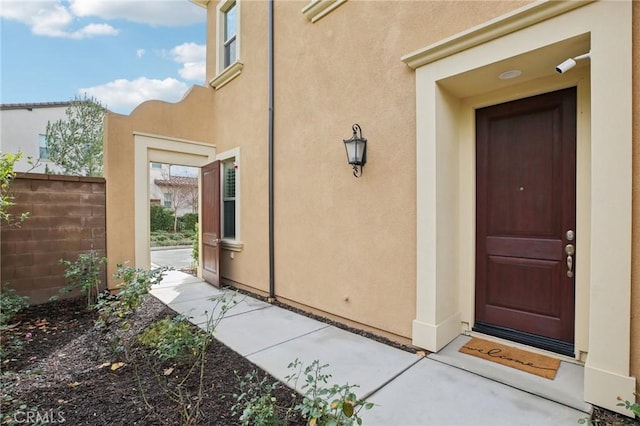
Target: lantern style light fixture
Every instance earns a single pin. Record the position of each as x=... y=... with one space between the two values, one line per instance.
x=356 y=150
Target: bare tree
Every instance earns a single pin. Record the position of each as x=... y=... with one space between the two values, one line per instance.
x=180 y=191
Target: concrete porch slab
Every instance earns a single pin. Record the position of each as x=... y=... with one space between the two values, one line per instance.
x=433 y=393
x=268 y=327
x=567 y=388
x=352 y=359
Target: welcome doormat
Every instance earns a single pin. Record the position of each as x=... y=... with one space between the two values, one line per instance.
x=533 y=363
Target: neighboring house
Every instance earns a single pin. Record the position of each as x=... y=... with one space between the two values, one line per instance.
x=23 y=128
x=499 y=196
x=174 y=186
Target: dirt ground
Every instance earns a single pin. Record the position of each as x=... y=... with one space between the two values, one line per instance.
x=59 y=371
x=62 y=373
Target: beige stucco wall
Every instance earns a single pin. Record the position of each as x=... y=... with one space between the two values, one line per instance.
x=192 y=119
x=635 y=250
x=344 y=246
x=241 y=110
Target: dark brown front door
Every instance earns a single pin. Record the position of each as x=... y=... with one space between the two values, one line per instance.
x=526 y=209
x=210 y=223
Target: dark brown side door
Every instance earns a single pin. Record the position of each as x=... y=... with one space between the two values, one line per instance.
x=526 y=210
x=210 y=223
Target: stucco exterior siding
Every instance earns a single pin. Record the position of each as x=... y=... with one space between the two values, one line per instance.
x=346 y=246
x=241 y=109
x=394 y=250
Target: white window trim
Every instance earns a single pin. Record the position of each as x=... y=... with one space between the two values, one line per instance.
x=227 y=74
x=231 y=72
x=232 y=244
x=318 y=9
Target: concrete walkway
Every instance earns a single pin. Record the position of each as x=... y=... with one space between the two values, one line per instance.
x=407 y=389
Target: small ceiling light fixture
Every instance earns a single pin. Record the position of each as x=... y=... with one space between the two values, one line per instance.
x=571 y=62
x=508 y=75
x=356 y=150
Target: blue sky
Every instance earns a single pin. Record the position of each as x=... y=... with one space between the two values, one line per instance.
x=121 y=52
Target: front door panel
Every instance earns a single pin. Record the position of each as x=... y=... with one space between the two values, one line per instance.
x=526 y=152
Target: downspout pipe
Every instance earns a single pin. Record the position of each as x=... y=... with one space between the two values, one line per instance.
x=272 y=280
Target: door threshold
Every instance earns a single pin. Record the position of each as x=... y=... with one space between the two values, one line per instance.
x=533 y=340
x=523 y=346
x=567 y=388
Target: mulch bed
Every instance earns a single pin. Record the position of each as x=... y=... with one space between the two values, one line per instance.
x=59 y=373
x=55 y=372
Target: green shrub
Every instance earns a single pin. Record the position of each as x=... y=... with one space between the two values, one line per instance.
x=187 y=222
x=86 y=274
x=7 y=174
x=135 y=284
x=10 y=303
x=322 y=405
x=633 y=407
x=173 y=339
x=162 y=238
x=195 y=252
x=255 y=405
x=160 y=219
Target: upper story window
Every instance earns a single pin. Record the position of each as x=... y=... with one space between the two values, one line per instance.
x=228 y=42
x=44 y=152
x=230 y=22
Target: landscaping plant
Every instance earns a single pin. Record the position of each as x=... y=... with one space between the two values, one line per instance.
x=164 y=238
x=10 y=303
x=325 y=405
x=7 y=174
x=160 y=219
x=633 y=407
x=135 y=284
x=255 y=405
x=173 y=338
x=187 y=221
x=322 y=405
x=195 y=251
x=84 y=274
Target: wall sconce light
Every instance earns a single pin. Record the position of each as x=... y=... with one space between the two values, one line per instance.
x=356 y=150
x=571 y=62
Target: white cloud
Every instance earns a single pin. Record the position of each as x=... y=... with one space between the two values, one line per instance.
x=170 y=13
x=123 y=95
x=189 y=52
x=192 y=56
x=48 y=18
x=95 y=30
x=193 y=71
x=140 y=53
x=55 y=18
